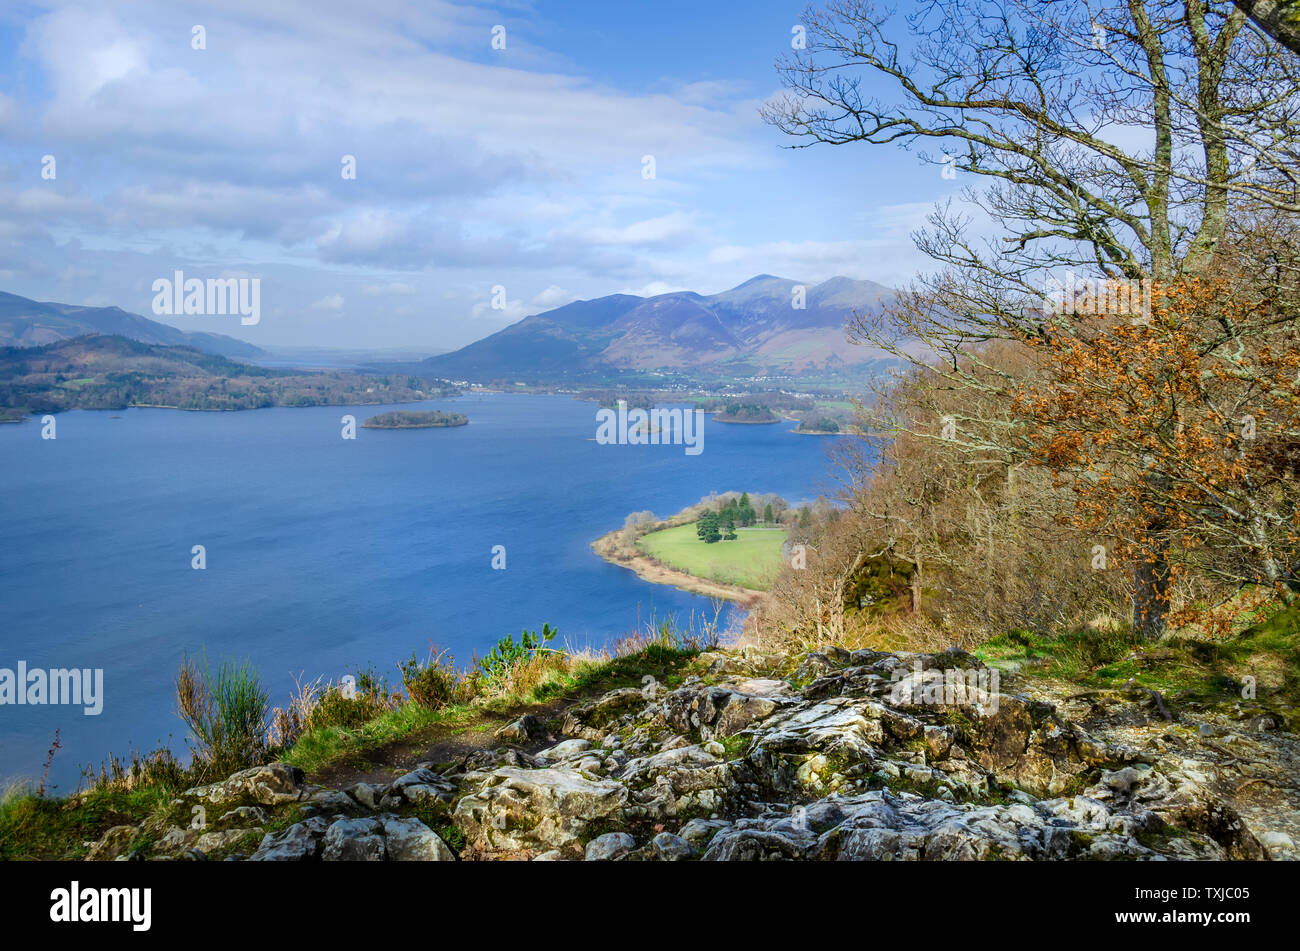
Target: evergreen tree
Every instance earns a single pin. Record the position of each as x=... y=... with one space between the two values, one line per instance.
x=707 y=528
x=702 y=525
x=745 y=510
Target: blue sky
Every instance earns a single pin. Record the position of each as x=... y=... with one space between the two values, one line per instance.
x=475 y=167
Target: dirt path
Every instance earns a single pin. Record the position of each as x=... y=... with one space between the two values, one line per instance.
x=474 y=728
x=445 y=742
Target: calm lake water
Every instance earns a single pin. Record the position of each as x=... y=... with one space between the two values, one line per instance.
x=325 y=554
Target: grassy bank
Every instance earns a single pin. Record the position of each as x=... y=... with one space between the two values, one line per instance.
x=751 y=560
x=409 y=724
x=1258 y=668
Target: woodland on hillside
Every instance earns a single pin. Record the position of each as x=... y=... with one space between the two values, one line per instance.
x=111 y=372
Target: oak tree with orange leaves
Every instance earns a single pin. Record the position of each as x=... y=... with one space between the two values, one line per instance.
x=1179 y=436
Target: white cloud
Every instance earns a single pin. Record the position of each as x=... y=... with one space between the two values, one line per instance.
x=552 y=297
x=332 y=303
x=653 y=289
x=884 y=261
x=674 y=227
x=400 y=288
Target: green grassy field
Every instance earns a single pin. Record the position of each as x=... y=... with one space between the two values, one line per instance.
x=751 y=560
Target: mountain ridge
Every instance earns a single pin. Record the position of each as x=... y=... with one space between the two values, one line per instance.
x=754 y=328
x=30 y=323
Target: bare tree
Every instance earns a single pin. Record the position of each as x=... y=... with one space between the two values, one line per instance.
x=1041 y=101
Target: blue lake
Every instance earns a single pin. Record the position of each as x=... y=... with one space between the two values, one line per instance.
x=325 y=554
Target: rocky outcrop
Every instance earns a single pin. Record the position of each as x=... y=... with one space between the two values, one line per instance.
x=268 y=785
x=112 y=844
x=833 y=756
x=378 y=839
x=547 y=807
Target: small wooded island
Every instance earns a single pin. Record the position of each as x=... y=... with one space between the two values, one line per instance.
x=406 y=419
x=746 y=413
x=820 y=426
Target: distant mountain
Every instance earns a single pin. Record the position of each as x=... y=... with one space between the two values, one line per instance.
x=29 y=323
x=754 y=329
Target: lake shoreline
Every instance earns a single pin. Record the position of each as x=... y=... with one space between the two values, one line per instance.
x=609 y=547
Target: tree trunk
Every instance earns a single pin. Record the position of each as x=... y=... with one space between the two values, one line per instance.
x=1280 y=19
x=916 y=586
x=1151 y=593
